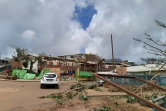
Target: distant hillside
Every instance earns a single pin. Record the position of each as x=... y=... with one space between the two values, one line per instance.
x=115 y=60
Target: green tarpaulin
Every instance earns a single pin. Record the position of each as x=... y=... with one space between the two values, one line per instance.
x=85 y=74
x=19 y=73
x=29 y=76
x=42 y=73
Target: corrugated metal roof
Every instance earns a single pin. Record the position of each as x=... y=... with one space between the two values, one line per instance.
x=146 y=68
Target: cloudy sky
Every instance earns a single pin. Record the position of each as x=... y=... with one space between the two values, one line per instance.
x=62 y=27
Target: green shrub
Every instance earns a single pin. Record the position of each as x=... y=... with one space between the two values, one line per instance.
x=131 y=99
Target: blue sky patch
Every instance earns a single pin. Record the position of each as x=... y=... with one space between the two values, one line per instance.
x=84 y=15
x=82 y=51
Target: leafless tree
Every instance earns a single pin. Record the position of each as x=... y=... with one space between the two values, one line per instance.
x=156 y=48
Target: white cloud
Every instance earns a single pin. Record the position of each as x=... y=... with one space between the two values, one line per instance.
x=94 y=46
x=42 y=1
x=125 y=20
x=51 y=25
x=29 y=35
x=81 y=3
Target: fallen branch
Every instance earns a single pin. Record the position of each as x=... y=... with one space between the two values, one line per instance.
x=71 y=90
x=146 y=83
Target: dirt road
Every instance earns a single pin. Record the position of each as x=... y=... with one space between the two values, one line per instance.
x=23 y=96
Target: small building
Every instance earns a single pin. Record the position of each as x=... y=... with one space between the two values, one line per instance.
x=19 y=64
x=85 y=62
x=148 y=69
x=3 y=62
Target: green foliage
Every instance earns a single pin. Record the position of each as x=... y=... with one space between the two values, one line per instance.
x=119 y=97
x=104 y=108
x=150 y=97
x=147 y=97
x=23 y=54
x=39 y=58
x=131 y=100
x=59 y=102
x=83 y=97
x=69 y=96
x=42 y=97
x=154 y=96
x=75 y=94
x=20 y=52
x=98 y=89
x=92 y=86
x=59 y=96
x=51 y=96
x=16 y=59
x=78 y=85
x=73 y=86
x=116 y=104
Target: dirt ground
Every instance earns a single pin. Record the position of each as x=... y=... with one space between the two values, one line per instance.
x=23 y=96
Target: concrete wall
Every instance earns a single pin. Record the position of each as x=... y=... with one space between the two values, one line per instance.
x=121 y=70
x=16 y=65
x=70 y=63
x=35 y=66
x=56 y=70
x=55 y=62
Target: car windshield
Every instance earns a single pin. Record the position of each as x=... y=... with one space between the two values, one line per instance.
x=50 y=75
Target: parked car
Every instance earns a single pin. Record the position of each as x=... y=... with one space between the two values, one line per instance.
x=49 y=79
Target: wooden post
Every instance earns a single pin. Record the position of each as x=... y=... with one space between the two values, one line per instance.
x=112 y=52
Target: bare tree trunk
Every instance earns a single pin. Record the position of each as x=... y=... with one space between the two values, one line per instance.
x=31 y=66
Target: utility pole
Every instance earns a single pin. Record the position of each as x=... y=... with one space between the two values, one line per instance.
x=0 y=56
x=112 y=51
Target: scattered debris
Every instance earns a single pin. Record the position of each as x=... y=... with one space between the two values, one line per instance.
x=98 y=89
x=92 y=86
x=60 y=98
x=72 y=92
x=104 y=108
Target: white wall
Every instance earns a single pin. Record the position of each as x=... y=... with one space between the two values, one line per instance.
x=35 y=66
x=55 y=62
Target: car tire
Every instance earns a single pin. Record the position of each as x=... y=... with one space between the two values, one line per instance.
x=56 y=86
x=41 y=86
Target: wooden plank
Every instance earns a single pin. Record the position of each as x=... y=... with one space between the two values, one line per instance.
x=153 y=105
x=85 y=79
